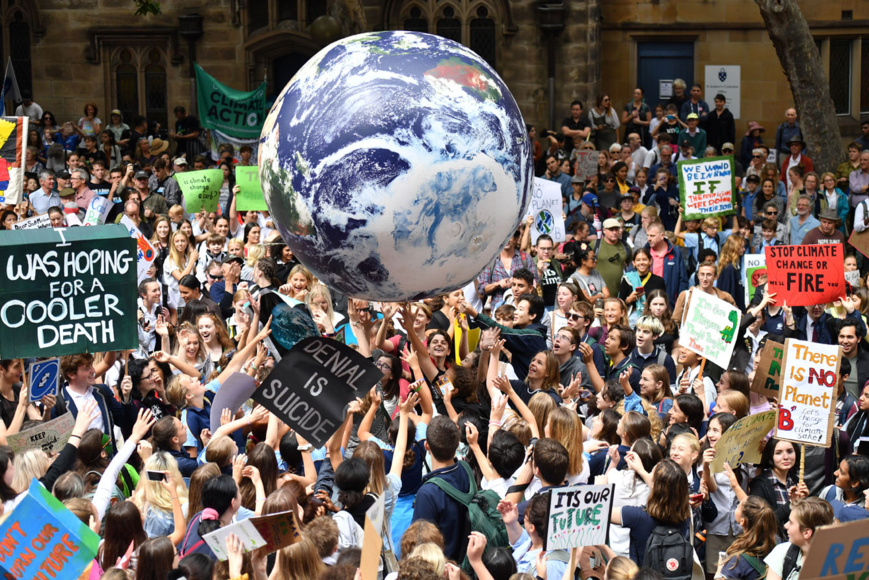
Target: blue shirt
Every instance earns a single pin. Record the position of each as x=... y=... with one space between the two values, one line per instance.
x=798 y=232
x=447 y=514
x=42 y=203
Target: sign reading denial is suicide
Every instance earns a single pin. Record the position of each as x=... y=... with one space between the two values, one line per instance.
x=806 y=275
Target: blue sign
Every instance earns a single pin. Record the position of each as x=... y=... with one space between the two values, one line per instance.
x=44 y=378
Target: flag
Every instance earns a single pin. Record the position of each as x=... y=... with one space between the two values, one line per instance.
x=238 y=114
x=13 y=136
x=10 y=85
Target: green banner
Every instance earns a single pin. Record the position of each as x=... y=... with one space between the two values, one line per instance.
x=67 y=291
x=201 y=189
x=239 y=114
x=250 y=197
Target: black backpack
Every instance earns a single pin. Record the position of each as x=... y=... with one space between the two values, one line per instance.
x=790 y=563
x=670 y=553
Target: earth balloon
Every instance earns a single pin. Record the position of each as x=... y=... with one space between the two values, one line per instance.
x=396 y=165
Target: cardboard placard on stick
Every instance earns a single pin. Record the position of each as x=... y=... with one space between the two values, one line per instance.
x=309 y=388
x=50 y=436
x=767 y=375
x=836 y=552
x=586 y=164
x=372 y=541
x=755 y=274
x=709 y=327
x=807 y=404
x=250 y=195
x=579 y=515
x=707 y=187
x=546 y=209
x=201 y=189
x=806 y=275
x=740 y=442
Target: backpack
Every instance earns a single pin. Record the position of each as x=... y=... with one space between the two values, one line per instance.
x=483 y=513
x=790 y=563
x=758 y=566
x=670 y=553
x=625 y=247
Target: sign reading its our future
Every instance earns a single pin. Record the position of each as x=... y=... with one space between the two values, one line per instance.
x=67 y=291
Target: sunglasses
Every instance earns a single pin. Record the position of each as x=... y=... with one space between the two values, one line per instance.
x=757 y=156
x=574 y=316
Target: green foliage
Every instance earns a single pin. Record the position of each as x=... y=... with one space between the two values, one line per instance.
x=145 y=7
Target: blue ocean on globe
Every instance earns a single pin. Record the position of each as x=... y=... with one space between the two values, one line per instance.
x=396 y=165
x=290 y=325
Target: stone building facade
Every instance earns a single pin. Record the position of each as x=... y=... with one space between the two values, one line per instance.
x=71 y=52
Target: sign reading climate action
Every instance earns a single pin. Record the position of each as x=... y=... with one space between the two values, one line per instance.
x=806 y=275
x=312 y=384
x=707 y=187
x=239 y=114
x=66 y=291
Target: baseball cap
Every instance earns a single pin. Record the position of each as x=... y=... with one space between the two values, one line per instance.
x=590 y=200
x=692 y=116
x=576 y=179
x=116 y=112
x=62 y=174
x=727 y=146
x=611 y=223
x=141 y=174
x=625 y=196
x=66 y=192
x=181 y=161
x=753 y=177
x=229 y=259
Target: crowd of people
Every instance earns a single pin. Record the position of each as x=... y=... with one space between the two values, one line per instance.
x=560 y=364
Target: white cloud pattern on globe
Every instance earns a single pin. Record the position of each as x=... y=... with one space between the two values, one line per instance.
x=396 y=165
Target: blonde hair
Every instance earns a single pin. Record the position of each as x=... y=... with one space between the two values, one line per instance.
x=299 y=561
x=299 y=269
x=566 y=428
x=221 y=450
x=29 y=464
x=656 y=425
x=152 y=492
x=737 y=402
x=320 y=291
x=432 y=554
x=730 y=252
x=516 y=425
x=689 y=439
x=541 y=406
x=173 y=253
x=255 y=254
x=235 y=242
x=184 y=330
x=711 y=222
x=621 y=568
x=158 y=221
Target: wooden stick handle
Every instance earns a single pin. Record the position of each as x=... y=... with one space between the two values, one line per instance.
x=802 y=461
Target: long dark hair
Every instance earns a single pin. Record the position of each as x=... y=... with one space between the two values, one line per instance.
x=392 y=387
x=351 y=479
x=123 y=525
x=7 y=456
x=159 y=554
x=766 y=458
x=263 y=458
x=218 y=494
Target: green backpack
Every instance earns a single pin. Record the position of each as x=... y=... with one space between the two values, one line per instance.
x=482 y=512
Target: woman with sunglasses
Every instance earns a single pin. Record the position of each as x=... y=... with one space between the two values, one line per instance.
x=588 y=279
x=604 y=122
x=832 y=196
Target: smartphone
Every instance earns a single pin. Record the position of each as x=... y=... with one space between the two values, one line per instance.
x=695 y=497
x=640 y=290
x=156 y=475
x=598 y=304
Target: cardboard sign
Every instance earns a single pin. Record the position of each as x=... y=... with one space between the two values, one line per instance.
x=97 y=211
x=309 y=388
x=145 y=253
x=44 y=378
x=709 y=327
x=707 y=187
x=546 y=209
x=67 y=291
x=50 y=436
x=201 y=189
x=372 y=541
x=34 y=223
x=267 y=533
x=586 y=164
x=808 y=394
x=853 y=278
x=231 y=395
x=41 y=537
x=755 y=274
x=836 y=552
x=767 y=375
x=860 y=241
x=579 y=515
x=250 y=195
x=739 y=444
x=806 y=275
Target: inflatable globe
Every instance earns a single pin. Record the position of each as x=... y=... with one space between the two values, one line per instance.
x=396 y=165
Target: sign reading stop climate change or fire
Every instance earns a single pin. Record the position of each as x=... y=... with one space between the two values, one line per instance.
x=806 y=275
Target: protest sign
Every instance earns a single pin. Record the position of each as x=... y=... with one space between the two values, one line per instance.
x=67 y=291
x=860 y=241
x=232 y=394
x=709 y=327
x=97 y=211
x=806 y=275
x=41 y=537
x=34 y=223
x=740 y=442
x=240 y=114
x=250 y=194
x=837 y=552
x=50 y=436
x=586 y=164
x=309 y=388
x=266 y=533
x=755 y=274
x=372 y=540
x=546 y=209
x=44 y=378
x=707 y=187
x=853 y=278
x=579 y=515
x=201 y=189
x=808 y=395
x=767 y=375
x=13 y=138
x=145 y=253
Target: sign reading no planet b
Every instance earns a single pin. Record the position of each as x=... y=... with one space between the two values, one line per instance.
x=546 y=209
x=309 y=388
x=707 y=187
x=806 y=275
x=67 y=291
x=579 y=516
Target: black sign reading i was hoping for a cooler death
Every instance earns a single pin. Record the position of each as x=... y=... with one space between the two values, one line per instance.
x=312 y=384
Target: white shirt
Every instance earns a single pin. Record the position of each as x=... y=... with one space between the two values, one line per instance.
x=80 y=402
